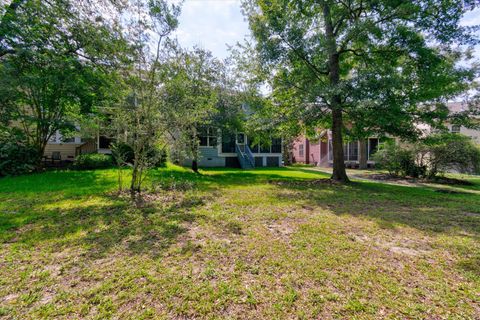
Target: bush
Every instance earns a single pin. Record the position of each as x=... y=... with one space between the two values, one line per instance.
x=397 y=160
x=451 y=152
x=436 y=154
x=159 y=157
x=92 y=161
x=122 y=153
x=16 y=156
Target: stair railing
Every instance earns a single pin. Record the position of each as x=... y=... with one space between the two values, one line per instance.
x=240 y=156
x=250 y=156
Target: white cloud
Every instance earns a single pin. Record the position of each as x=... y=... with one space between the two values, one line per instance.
x=471 y=18
x=211 y=24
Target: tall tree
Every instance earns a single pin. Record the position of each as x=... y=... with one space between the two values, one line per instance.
x=361 y=67
x=140 y=118
x=201 y=95
x=190 y=90
x=53 y=65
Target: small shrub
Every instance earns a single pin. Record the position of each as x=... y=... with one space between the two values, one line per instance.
x=398 y=160
x=122 y=153
x=92 y=161
x=16 y=156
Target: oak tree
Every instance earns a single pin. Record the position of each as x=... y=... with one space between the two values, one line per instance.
x=361 y=67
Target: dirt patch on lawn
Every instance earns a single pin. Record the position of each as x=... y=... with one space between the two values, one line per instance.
x=409 y=180
x=396 y=244
x=9 y=297
x=282 y=229
x=303 y=183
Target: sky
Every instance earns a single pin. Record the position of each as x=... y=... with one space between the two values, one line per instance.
x=212 y=24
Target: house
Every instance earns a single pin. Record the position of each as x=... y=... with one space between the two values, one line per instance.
x=235 y=150
x=66 y=149
x=318 y=151
x=310 y=151
x=216 y=150
x=473 y=134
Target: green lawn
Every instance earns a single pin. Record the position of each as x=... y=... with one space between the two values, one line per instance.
x=260 y=244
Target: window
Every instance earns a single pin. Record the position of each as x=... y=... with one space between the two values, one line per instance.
x=207 y=137
x=228 y=143
x=276 y=145
x=455 y=128
x=240 y=138
x=372 y=146
x=265 y=148
x=353 y=151
x=104 y=142
x=300 y=150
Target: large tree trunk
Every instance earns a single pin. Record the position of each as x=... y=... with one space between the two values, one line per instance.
x=339 y=173
x=362 y=154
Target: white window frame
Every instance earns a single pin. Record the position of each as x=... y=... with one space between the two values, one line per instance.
x=455 y=126
x=210 y=135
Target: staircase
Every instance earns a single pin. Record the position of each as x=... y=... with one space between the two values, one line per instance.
x=245 y=156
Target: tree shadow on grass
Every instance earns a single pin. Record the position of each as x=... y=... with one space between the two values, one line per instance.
x=390 y=205
x=422 y=208
x=104 y=224
x=67 y=207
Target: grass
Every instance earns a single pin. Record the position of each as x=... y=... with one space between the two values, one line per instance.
x=271 y=244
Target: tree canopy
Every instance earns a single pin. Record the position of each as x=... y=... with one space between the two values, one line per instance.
x=361 y=67
x=54 y=63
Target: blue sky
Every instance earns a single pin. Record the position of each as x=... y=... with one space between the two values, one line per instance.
x=212 y=24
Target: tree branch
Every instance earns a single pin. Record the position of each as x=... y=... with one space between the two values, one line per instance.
x=315 y=70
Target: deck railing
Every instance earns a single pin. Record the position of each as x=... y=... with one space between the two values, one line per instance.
x=89 y=146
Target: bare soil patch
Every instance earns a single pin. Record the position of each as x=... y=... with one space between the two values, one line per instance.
x=410 y=180
x=303 y=183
